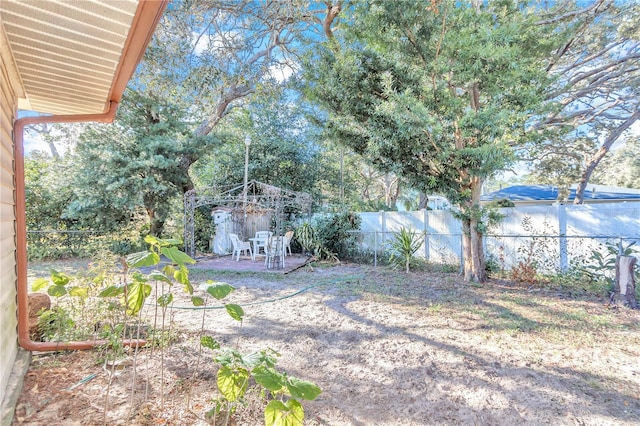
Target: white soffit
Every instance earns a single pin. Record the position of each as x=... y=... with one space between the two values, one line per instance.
x=67 y=51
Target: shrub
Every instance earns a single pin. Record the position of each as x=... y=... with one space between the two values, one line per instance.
x=333 y=233
x=403 y=246
x=329 y=238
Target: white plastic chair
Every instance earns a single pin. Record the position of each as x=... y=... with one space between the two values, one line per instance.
x=275 y=252
x=240 y=246
x=260 y=241
x=288 y=236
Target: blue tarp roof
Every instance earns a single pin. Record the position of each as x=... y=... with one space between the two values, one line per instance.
x=550 y=193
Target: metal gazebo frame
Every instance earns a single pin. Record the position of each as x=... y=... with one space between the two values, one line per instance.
x=241 y=200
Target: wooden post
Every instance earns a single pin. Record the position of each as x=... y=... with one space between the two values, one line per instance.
x=624 y=292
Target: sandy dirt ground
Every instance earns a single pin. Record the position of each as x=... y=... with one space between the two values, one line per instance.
x=387 y=348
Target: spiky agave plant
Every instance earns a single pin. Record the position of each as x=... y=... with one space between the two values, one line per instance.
x=403 y=246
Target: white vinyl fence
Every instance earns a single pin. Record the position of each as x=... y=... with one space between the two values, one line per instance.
x=556 y=236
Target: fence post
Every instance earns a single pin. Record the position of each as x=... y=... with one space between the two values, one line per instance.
x=375 y=248
x=425 y=223
x=462 y=253
x=562 y=230
x=383 y=224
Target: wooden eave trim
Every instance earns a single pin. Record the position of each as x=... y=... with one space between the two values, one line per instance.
x=10 y=64
x=144 y=23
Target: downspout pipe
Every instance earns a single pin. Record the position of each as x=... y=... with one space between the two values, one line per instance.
x=24 y=340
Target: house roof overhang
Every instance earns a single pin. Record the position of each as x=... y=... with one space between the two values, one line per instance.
x=76 y=57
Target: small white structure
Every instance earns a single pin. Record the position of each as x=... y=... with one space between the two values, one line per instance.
x=220 y=243
x=438 y=202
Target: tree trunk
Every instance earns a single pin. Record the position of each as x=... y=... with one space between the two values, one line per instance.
x=156 y=223
x=423 y=201
x=474 y=264
x=472 y=249
x=604 y=149
x=624 y=292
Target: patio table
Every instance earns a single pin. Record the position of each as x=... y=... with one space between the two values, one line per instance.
x=257 y=243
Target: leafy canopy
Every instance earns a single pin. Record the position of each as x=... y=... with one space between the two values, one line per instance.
x=437 y=93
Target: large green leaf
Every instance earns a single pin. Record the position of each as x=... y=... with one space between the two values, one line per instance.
x=137 y=292
x=182 y=276
x=267 y=357
x=151 y=240
x=159 y=276
x=232 y=383
x=278 y=413
x=112 y=291
x=177 y=256
x=235 y=311
x=39 y=284
x=220 y=290
x=78 y=291
x=140 y=277
x=209 y=342
x=57 y=290
x=59 y=278
x=268 y=377
x=302 y=389
x=143 y=258
x=165 y=300
x=229 y=357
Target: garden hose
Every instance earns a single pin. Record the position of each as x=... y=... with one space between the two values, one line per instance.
x=262 y=302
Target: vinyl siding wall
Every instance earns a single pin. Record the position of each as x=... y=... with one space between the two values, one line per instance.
x=8 y=319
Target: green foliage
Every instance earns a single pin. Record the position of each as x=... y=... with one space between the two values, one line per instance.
x=207 y=84
x=374 y=88
x=137 y=289
x=602 y=265
x=578 y=135
x=289 y=413
x=204 y=228
x=77 y=307
x=531 y=266
x=438 y=94
x=233 y=380
x=305 y=234
x=56 y=244
x=48 y=191
x=334 y=233
x=56 y=325
x=128 y=296
x=329 y=238
x=403 y=246
x=622 y=168
x=284 y=151
x=501 y=203
x=132 y=166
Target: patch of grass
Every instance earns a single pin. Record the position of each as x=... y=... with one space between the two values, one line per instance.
x=575 y=283
x=575 y=316
x=42 y=268
x=524 y=301
x=435 y=308
x=198 y=274
x=594 y=384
